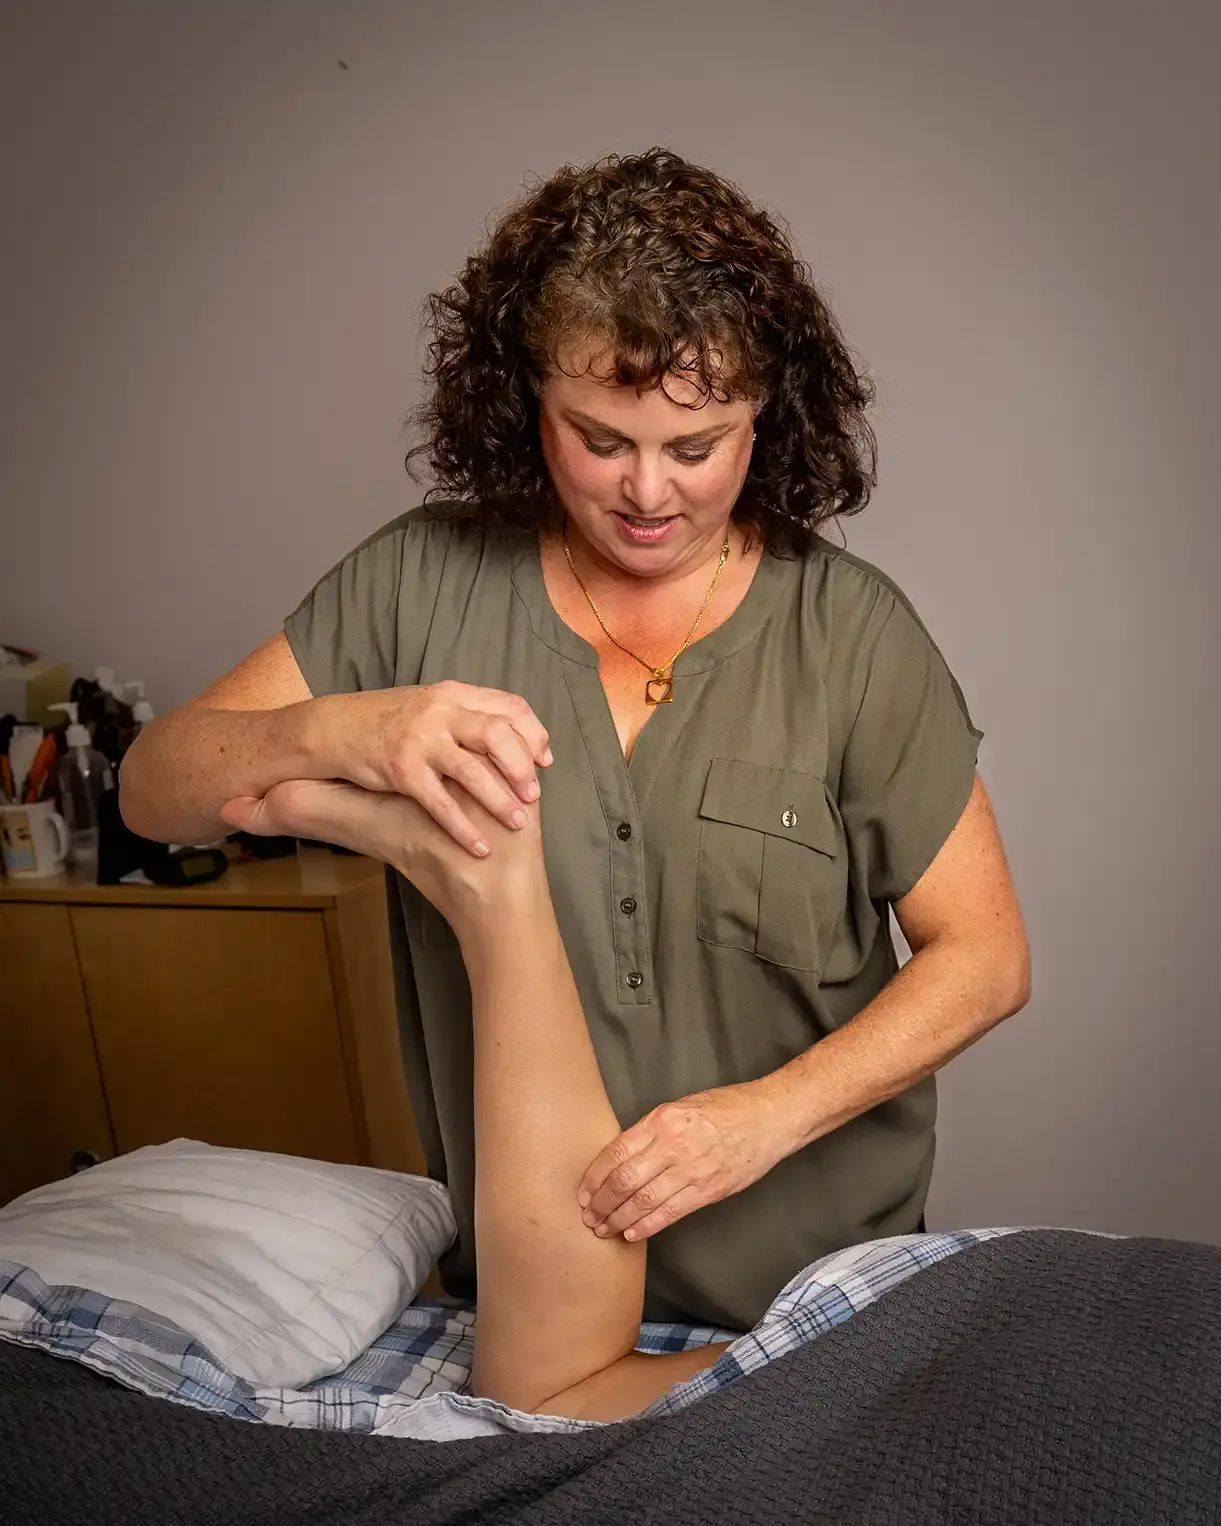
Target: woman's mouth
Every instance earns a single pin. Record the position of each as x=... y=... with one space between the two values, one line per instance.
x=644 y=530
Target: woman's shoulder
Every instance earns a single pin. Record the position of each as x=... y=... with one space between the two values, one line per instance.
x=854 y=588
x=458 y=524
x=430 y=520
x=876 y=637
x=856 y=594
x=446 y=527
x=407 y=555
x=442 y=511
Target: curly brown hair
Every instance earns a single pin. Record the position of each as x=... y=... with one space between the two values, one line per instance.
x=675 y=272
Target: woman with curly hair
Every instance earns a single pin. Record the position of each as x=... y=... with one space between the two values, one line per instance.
x=692 y=1031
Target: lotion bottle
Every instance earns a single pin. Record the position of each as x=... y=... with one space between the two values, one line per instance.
x=84 y=776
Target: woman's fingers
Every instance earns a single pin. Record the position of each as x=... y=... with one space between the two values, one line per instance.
x=496 y=738
x=450 y=816
x=619 y=1169
x=517 y=712
x=487 y=742
x=648 y=1199
x=684 y=1201
x=483 y=782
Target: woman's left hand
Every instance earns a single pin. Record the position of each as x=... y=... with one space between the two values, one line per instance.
x=680 y=1157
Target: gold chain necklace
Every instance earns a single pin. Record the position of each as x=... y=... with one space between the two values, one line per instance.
x=661 y=677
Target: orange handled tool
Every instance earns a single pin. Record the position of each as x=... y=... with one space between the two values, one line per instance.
x=39 y=769
x=7 y=726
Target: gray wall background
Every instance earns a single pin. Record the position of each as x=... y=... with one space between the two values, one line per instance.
x=216 y=243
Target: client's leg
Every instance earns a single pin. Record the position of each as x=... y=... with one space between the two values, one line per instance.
x=559 y=1308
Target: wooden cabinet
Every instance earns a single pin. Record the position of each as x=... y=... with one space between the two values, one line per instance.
x=257 y=1011
x=51 y=1098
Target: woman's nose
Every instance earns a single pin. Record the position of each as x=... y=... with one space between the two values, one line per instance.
x=645 y=484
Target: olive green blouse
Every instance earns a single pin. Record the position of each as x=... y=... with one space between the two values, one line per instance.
x=722 y=897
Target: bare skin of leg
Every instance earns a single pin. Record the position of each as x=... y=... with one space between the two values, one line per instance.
x=559 y=1308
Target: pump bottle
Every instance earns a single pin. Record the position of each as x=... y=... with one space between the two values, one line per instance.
x=83 y=776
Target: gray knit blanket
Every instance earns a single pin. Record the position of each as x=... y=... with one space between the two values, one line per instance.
x=1047 y=1376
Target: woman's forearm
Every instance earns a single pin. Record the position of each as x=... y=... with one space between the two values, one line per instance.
x=556 y=1302
x=950 y=993
x=186 y=764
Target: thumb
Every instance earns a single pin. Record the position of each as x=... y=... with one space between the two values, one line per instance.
x=248 y=813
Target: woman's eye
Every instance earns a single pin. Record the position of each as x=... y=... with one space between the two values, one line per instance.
x=688 y=457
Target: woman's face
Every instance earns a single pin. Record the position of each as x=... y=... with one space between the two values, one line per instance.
x=648 y=483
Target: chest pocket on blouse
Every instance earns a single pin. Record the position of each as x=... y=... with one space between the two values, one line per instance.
x=767 y=863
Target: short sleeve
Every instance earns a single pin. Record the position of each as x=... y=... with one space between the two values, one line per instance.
x=344 y=633
x=909 y=762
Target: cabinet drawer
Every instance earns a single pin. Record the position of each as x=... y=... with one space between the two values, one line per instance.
x=51 y=1099
x=218 y=1025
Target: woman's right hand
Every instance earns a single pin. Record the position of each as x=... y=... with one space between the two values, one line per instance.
x=408 y=741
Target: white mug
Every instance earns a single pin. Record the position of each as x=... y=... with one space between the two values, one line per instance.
x=34 y=840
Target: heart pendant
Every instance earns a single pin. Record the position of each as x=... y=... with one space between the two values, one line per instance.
x=665 y=697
